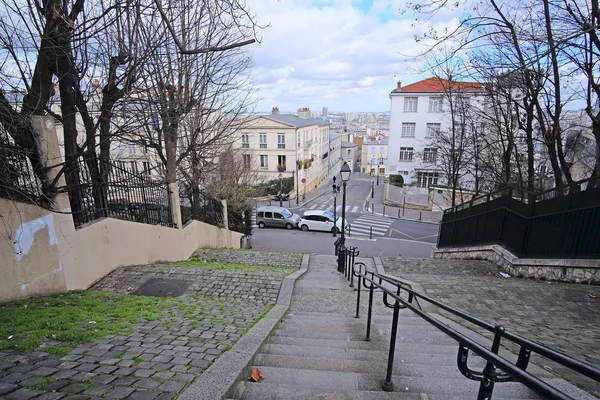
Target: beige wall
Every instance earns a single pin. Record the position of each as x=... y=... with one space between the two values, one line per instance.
x=42 y=253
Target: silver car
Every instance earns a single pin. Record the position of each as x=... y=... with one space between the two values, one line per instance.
x=276 y=217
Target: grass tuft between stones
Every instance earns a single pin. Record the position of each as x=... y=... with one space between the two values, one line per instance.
x=66 y=320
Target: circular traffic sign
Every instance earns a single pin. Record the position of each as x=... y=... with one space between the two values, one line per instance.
x=303 y=180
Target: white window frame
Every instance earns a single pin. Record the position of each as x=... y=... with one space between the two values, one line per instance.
x=408 y=129
x=245 y=141
x=281 y=140
x=433 y=128
x=430 y=155
x=425 y=179
x=264 y=161
x=262 y=140
x=435 y=104
x=411 y=104
x=247 y=161
x=406 y=154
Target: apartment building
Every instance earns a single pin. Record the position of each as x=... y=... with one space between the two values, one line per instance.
x=374 y=157
x=292 y=145
x=419 y=113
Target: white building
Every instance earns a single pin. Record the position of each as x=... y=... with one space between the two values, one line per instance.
x=294 y=145
x=419 y=112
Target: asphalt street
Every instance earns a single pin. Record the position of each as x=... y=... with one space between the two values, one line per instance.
x=375 y=235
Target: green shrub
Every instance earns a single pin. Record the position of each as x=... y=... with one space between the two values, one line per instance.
x=397 y=180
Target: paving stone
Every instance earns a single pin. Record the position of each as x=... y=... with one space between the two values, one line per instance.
x=165 y=396
x=171 y=386
x=71 y=357
x=146 y=365
x=180 y=368
x=163 y=375
x=105 y=369
x=124 y=371
x=79 y=397
x=57 y=385
x=183 y=377
x=109 y=361
x=74 y=388
x=51 y=396
x=85 y=367
x=143 y=395
x=32 y=381
x=97 y=390
x=125 y=381
x=105 y=379
x=23 y=394
x=162 y=366
x=119 y=392
x=68 y=364
x=6 y=387
x=143 y=373
x=23 y=368
x=83 y=376
x=147 y=383
x=14 y=377
x=67 y=373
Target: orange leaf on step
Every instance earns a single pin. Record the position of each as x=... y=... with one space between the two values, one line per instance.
x=256 y=375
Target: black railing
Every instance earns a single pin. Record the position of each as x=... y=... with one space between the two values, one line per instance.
x=562 y=222
x=197 y=205
x=489 y=375
x=18 y=180
x=107 y=190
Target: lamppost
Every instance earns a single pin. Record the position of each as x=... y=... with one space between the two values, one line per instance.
x=345 y=174
x=297 y=183
x=334 y=208
x=280 y=190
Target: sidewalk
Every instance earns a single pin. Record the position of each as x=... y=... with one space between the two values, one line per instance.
x=293 y=204
x=376 y=206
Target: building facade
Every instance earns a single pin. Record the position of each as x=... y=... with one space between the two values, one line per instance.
x=419 y=117
x=374 y=157
x=295 y=146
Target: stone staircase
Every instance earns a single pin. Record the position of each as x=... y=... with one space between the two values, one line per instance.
x=319 y=351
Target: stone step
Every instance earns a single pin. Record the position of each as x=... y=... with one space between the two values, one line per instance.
x=274 y=391
x=374 y=344
x=359 y=366
x=349 y=381
x=351 y=325
x=406 y=318
x=427 y=355
x=377 y=333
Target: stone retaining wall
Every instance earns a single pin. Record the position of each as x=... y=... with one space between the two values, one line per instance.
x=562 y=270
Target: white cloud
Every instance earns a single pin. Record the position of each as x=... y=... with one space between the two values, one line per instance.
x=346 y=55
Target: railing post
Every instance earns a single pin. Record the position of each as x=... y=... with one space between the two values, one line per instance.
x=175 y=204
x=358 y=293
x=388 y=385
x=486 y=387
x=369 y=312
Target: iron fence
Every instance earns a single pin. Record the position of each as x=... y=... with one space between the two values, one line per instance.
x=557 y=223
x=108 y=190
x=197 y=205
x=18 y=180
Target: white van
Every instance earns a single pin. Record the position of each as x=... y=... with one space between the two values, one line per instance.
x=276 y=217
x=321 y=220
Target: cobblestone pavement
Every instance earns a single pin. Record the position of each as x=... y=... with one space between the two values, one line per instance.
x=562 y=316
x=161 y=357
x=265 y=258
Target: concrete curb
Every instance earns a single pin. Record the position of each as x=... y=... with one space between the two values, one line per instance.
x=219 y=381
x=423 y=305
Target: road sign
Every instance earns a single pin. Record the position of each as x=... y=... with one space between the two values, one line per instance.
x=303 y=180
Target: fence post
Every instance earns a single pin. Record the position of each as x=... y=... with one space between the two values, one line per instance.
x=47 y=143
x=175 y=205
x=225 y=214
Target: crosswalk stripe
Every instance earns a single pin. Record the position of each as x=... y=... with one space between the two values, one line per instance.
x=313 y=207
x=367 y=229
x=355 y=209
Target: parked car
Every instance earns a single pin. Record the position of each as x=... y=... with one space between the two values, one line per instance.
x=320 y=220
x=276 y=217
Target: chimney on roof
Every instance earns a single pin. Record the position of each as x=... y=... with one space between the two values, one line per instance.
x=274 y=111
x=399 y=86
x=304 y=113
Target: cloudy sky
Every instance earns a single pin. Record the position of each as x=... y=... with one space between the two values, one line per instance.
x=342 y=54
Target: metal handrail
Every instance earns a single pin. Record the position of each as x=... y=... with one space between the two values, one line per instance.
x=488 y=376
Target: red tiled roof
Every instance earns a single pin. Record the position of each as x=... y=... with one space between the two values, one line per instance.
x=441 y=85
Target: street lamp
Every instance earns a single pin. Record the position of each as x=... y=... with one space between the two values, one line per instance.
x=280 y=190
x=334 y=208
x=345 y=174
x=297 y=181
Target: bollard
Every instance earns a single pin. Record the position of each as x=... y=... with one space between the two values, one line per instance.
x=372 y=208
x=269 y=201
x=384 y=210
x=371 y=232
x=420 y=215
x=341 y=259
x=398 y=213
x=349 y=226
